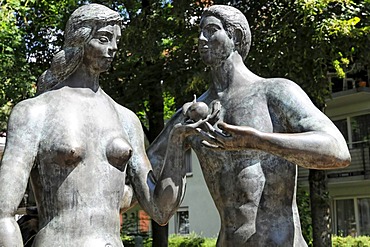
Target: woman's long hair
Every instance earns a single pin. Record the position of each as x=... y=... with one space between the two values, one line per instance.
x=80 y=28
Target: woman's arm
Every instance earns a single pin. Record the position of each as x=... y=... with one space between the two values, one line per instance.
x=18 y=159
x=159 y=195
x=157 y=150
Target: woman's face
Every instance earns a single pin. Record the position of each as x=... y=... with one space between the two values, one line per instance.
x=101 y=49
x=214 y=44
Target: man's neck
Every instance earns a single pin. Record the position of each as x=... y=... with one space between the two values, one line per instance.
x=232 y=72
x=223 y=75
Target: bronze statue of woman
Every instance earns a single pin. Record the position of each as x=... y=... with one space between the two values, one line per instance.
x=83 y=153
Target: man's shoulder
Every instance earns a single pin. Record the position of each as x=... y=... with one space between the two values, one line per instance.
x=282 y=87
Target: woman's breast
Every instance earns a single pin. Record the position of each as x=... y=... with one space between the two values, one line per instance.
x=118 y=152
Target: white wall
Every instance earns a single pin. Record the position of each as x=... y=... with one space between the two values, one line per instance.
x=203 y=215
x=2 y=144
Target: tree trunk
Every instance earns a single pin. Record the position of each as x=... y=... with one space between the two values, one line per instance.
x=160 y=235
x=320 y=208
x=156 y=124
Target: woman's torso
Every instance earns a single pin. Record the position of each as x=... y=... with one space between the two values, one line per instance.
x=79 y=175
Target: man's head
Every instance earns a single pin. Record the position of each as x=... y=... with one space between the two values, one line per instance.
x=235 y=25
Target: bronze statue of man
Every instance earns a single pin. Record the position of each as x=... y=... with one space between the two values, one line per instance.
x=83 y=153
x=265 y=128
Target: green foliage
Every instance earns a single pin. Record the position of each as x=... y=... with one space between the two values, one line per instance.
x=191 y=240
x=12 y=59
x=304 y=208
x=157 y=55
x=185 y=241
x=30 y=32
x=362 y=241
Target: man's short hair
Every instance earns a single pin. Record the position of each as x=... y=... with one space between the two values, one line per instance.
x=231 y=19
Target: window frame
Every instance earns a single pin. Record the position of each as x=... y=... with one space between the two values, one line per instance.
x=177 y=223
x=356 y=212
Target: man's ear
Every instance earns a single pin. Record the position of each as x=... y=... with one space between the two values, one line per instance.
x=238 y=37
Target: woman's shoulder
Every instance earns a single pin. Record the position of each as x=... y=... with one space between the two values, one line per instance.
x=35 y=104
x=121 y=110
x=28 y=112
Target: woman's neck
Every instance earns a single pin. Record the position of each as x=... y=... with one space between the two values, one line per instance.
x=83 y=77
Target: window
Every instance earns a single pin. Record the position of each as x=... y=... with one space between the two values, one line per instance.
x=360 y=128
x=182 y=221
x=343 y=128
x=356 y=130
x=346 y=222
x=189 y=170
x=352 y=217
x=364 y=212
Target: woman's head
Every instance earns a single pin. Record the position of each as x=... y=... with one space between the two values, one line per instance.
x=232 y=20
x=80 y=28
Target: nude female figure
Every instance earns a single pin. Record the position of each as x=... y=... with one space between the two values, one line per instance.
x=83 y=153
x=265 y=128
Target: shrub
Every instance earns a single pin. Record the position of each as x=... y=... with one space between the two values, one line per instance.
x=191 y=240
x=362 y=241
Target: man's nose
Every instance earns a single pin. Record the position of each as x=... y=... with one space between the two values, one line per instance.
x=113 y=47
x=202 y=37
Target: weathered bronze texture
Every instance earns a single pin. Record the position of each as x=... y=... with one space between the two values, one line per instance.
x=264 y=129
x=83 y=153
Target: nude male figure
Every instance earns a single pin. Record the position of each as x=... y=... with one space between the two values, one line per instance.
x=265 y=128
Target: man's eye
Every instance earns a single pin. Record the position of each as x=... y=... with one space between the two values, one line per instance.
x=209 y=31
x=212 y=29
x=103 y=39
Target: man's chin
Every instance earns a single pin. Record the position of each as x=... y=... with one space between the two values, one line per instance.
x=211 y=62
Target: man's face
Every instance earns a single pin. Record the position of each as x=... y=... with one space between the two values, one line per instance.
x=214 y=44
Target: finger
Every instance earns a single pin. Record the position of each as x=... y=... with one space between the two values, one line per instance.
x=223 y=130
x=209 y=127
x=222 y=126
x=209 y=145
x=209 y=138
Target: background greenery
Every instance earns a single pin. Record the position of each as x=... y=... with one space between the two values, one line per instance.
x=157 y=67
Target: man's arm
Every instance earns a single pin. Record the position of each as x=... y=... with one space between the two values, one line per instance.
x=311 y=139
